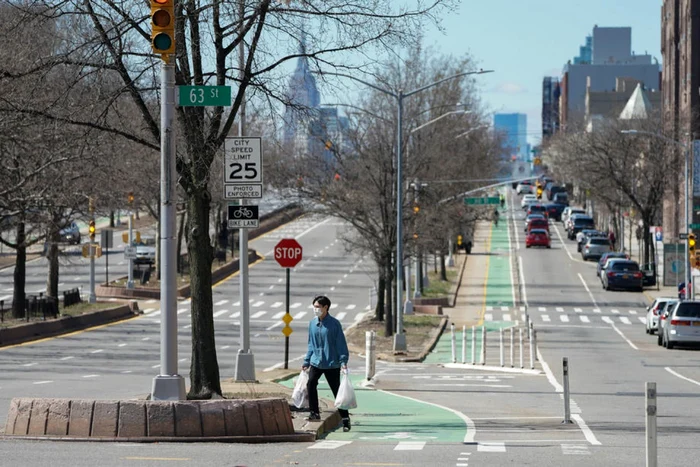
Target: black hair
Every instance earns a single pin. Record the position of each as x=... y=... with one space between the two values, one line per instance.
x=322 y=300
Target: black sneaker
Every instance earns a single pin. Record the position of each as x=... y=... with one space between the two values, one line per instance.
x=313 y=416
x=346 y=425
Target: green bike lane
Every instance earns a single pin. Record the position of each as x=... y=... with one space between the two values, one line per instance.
x=382 y=416
x=498 y=292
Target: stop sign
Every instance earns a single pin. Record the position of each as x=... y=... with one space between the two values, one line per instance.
x=288 y=252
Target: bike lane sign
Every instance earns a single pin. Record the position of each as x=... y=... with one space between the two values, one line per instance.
x=243 y=217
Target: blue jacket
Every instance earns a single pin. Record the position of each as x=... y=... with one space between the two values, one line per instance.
x=327 y=345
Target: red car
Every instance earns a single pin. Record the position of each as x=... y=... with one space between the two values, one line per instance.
x=538 y=237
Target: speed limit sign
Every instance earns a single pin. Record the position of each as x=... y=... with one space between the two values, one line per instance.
x=243 y=176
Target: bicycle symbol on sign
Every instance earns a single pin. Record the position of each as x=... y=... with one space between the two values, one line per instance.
x=243 y=213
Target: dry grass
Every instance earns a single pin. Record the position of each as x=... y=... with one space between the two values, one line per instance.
x=419 y=329
x=74 y=310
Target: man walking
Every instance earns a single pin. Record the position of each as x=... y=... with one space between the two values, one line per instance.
x=327 y=355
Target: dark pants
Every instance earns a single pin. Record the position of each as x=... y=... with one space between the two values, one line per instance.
x=333 y=378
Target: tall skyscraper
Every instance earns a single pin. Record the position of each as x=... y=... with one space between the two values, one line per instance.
x=514 y=126
x=550 y=106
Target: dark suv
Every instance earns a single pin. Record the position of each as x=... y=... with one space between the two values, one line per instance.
x=580 y=223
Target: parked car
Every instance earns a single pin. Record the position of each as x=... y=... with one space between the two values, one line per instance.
x=70 y=234
x=595 y=247
x=682 y=324
x=663 y=316
x=569 y=211
x=555 y=210
x=528 y=200
x=583 y=236
x=553 y=189
x=578 y=222
x=524 y=187
x=538 y=237
x=653 y=312
x=561 y=198
x=622 y=274
x=607 y=256
x=146 y=251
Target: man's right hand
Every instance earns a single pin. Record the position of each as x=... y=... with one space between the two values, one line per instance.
x=304 y=368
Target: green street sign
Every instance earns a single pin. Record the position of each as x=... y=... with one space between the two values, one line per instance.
x=694 y=226
x=480 y=201
x=204 y=96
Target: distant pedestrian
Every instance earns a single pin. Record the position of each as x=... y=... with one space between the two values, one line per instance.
x=495 y=216
x=503 y=201
x=611 y=237
x=327 y=355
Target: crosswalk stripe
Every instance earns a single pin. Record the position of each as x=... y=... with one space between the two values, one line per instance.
x=295 y=305
x=259 y=314
x=584 y=319
x=340 y=316
x=633 y=312
x=350 y=307
x=491 y=447
x=607 y=319
x=564 y=318
x=155 y=313
x=359 y=316
x=488 y=317
x=235 y=315
x=642 y=319
x=276 y=304
x=258 y=303
x=148 y=310
x=328 y=444
x=506 y=317
x=615 y=312
x=541 y=308
x=219 y=313
x=489 y=308
x=625 y=319
x=238 y=303
x=410 y=446
x=182 y=310
x=522 y=308
x=596 y=310
x=220 y=302
x=545 y=318
x=578 y=310
x=279 y=315
x=504 y=308
x=299 y=315
x=575 y=450
x=560 y=308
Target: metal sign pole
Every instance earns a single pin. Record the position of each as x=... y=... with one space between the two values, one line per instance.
x=286 y=338
x=130 y=279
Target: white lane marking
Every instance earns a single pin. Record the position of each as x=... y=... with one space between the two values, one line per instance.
x=606 y=319
x=642 y=319
x=590 y=437
x=148 y=310
x=296 y=305
x=220 y=302
x=155 y=313
x=6 y=297
x=345 y=276
x=279 y=315
x=280 y=280
x=277 y=324
x=681 y=376
x=564 y=318
x=146 y=339
x=584 y=319
x=506 y=317
x=220 y=312
x=615 y=312
x=578 y=310
x=30 y=364
x=634 y=312
x=122 y=345
x=596 y=310
x=301 y=314
x=235 y=315
x=471 y=428
x=491 y=447
x=548 y=372
x=595 y=304
x=489 y=308
x=42 y=382
x=271 y=287
x=328 y=444
x=156 y=366
x=359 y=316
x=225 y=347
x=410 y=446
x=340 y=316
x=541 y=308
x=91 y=376
x=340 y=281
x=97 y=351
x=575 y=450
x=350 y=307
x=276 y=305
x=259 y=303
x=488 y=317
x=522 y=280
x=126 y=371
x=510 y=260
x=182 y=310
x=625 y=320
x=332 y=288
x=560 y=308
x=182 y=360
x=312 y=228
x=258 y=314
x=67 y=358
x=623 y=336
x=504 y=308
x=151 y=301
x=545 y=318
x=238 y=303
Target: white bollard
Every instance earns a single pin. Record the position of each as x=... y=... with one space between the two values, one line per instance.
x=370 y=354
x=500 y=344
x=534 y=338
x=483 y=345
x=512 y=347
x=464 y=344
x=532 y=348
x=454 y=344
x=567 y=402
x=473 y=345
x=520 y=338
x=651 y=452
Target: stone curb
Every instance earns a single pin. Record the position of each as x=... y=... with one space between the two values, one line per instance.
x=39 y=330
x=104 y=420
x=454 y=291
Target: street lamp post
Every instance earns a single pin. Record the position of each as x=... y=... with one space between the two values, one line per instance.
x=400 y=337
x=687 y=193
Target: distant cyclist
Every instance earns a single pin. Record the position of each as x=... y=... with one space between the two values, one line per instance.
x=503 y=201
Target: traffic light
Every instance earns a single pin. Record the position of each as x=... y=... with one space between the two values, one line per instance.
x=416 y=208
x=91 y=230
x=130 y=197
x=459 y=240
x=415 y=236
x=691 y=245
x=163 y=26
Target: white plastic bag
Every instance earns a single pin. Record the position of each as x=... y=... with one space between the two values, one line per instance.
x=346 y=394
x=300 y=397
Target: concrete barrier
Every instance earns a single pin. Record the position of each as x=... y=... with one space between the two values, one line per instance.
x=136 y=420
x=40 y=329
x=428 y=309
x=442 y=301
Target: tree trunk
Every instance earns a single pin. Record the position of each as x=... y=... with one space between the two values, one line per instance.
x=443 y=271
x=388 y=319
x=180 y=231
x=20 y=274
x=381 y=290
x=435 y=262
x=52 y=258
x=420 y=272
x=111 y=219
x=204 y=368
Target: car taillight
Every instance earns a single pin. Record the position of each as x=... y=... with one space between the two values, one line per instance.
x=637 y=275
x=678 y=322
x=655 y=311
x=611 y=274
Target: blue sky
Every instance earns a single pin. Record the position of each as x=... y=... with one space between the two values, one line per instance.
x=526 y=40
